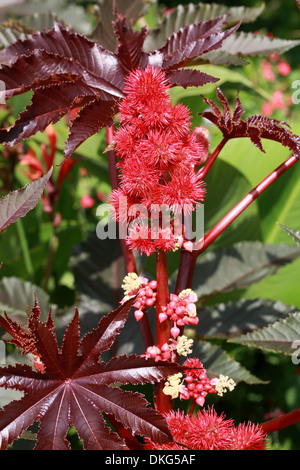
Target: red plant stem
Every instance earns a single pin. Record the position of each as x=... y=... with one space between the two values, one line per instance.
x=192 y=407
x=281 y=422
x=219 y=228
x=188 y=259
x=212 y=158
x=185 y=270
x=112 y=159
x=162 y=299
x=163 y=402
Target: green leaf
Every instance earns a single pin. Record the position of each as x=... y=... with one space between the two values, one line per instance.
x=251 y=44
x=183 y=15
x=279 y=203
x=17 y=203
x=103 y=11
x=225 y=187
x=8 y=35
x=239 y=266
x=41 y=20
x=224 y=74
x=278 y=337
x=283 y=286
x=16 y=294
x=99 y=268
x=14 y=30
x=235 y=318
x=293 y=233
x=73 y=15
x=216 y=361
x=220 y=57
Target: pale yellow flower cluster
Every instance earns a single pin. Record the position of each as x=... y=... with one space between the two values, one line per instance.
x=191 y=297
x=224 y=384
x=172 y=385
x=131 y=282
x=184 y=345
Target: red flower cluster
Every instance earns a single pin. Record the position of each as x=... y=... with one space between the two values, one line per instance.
x=146 y=297
x=144 y=289
x=181 y=310
x=198 y=385
x=208 y=431
x=158 y=156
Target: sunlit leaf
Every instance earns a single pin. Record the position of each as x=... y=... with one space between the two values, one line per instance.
x=279 y=337
x=17 y=203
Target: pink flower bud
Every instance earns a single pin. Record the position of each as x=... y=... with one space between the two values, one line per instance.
x=87 y=201
x=153 y=351
x=214 y=381
x=153 y=284
x=200 y=401
x=188 y=246
x=174 y=298
x=149 y=292
x=284 y=68
x=162 y=317
x=175 y=331
x=191 y=308
x=138 y=314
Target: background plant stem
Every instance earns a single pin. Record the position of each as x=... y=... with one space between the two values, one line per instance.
x=205 y=169
x=25 y=248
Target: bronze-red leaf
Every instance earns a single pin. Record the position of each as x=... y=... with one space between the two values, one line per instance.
x=74 y=388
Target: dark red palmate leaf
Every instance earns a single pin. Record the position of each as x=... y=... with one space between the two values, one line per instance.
x=65 y=70
x=74 y=388
x=23 y=338
x=130 y=46
x=254 y=127
x=193 y=41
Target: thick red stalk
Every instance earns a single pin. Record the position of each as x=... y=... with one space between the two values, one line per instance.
x=163 y=402
x=162 y=299
x=281 y=422
x=219 y=228
x=146 y=332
